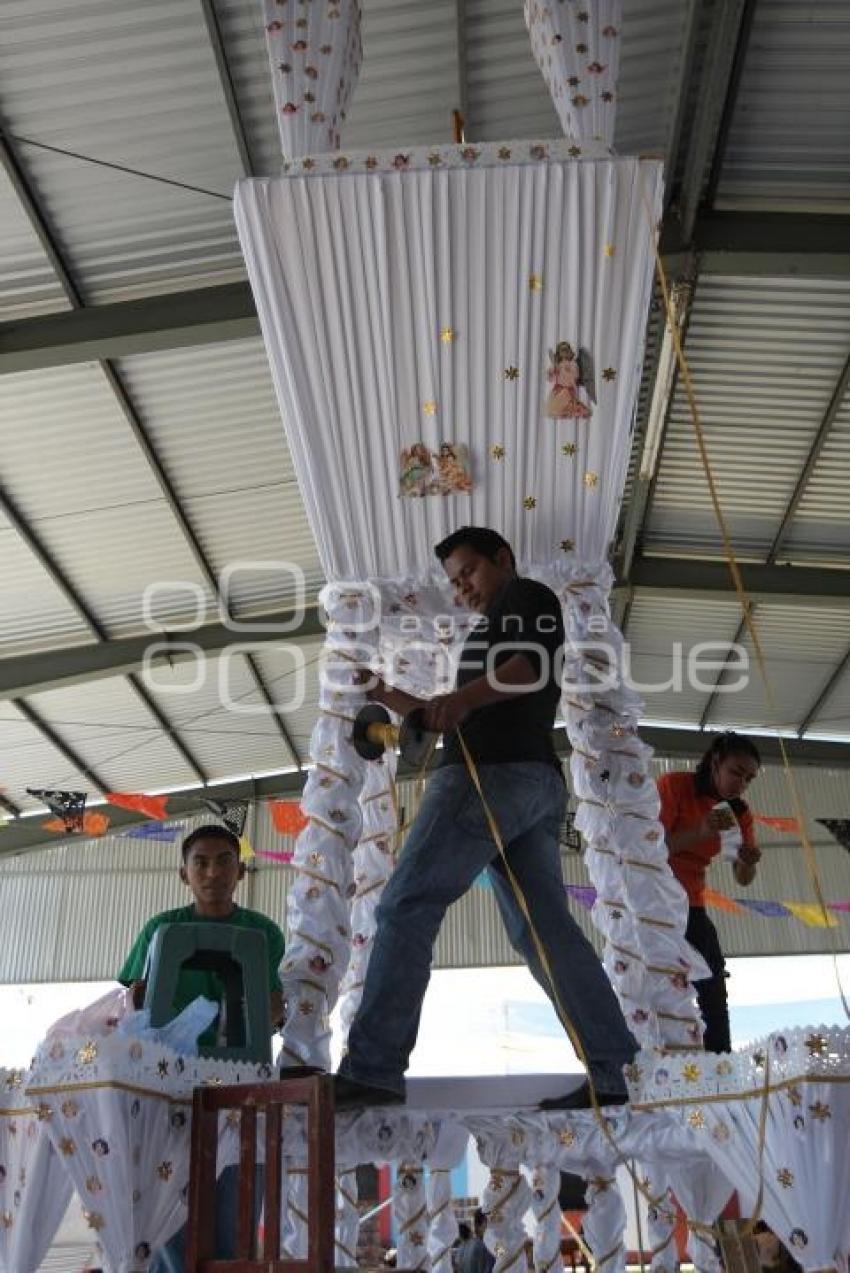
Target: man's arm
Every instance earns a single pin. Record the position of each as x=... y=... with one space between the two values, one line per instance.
x=396 y=700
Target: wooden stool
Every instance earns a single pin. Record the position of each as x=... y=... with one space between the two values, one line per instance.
x=316 y=1092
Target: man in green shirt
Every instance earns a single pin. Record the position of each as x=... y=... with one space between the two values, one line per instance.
x=212 y=870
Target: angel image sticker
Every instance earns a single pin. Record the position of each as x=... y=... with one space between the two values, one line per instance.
x=571 y=376
x=453 y=471
x=445 y=471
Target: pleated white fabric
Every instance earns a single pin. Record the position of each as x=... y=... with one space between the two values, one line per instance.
x=423 y=300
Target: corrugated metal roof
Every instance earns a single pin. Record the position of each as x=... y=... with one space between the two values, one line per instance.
x=789 y=145
x=30 y=760
x=137 y=86
x=662 y=632
x=765 y=354
x=801 y=648
x=28 y=284
x=820 y=531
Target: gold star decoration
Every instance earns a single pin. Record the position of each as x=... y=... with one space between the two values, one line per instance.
x=164 y=1170
x=87 y=1053
x=580 y=100
x=93 y=1184
x=308 y=164
x=607 y=96
x=504 y=152
x=581 y=48
x=535 y=282
x=591 y=479
x=7 y=1219
x=497 y=452
x=795 y=1096
x=696 y=1119
x=816 y=1044
x=94 y=1220
x=820 y=1111
x=633 y=1072
x=567 y=1136
x=569 y=449
x=435 y=159
x=447 y=335
x=567 y=545
x=67 y=1146
x=429 y=407
x=529 y=502
x=609 y=374
x=233 y=1119
x=608 y=250
x=690 y=1072
x=785 y=1177
x=43 y=1112
x=14 y=1079
x=512 y=373
x=70 y=1109
x=574 y=152
x=162 y=1068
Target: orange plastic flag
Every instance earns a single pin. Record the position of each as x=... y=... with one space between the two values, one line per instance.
x=721 y=902
x=153 y=806
x=791 y=825
x=93 y=824
x=287 y=817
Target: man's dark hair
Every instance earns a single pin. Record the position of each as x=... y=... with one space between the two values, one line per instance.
x=480 y=1218
x=212 y=832
x=464 y=1232
x=726 y=744
x=479 y=538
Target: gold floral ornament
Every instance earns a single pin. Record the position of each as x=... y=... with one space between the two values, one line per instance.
x=785 y=1177
x=70 y=1109
x=529 y=502
x=93 y=1184
x=504 y=152
x=165 y=1170
x=820 y=1112
x=591 y=479
x=816 y=1044
x=574 y=152
x=87 y=1053
x=569 y=449
x=609 y=250
x=535 y=282
x=497 y=451
x=416 y=1238
x=67 y=1146
x=447 y=335
x=14 y=1079
x=7 y=1219
x=94 y=1220
x=43 y=1112
x=696 y=1119
x=795 y=1096
x=429 y=407
x=633 y=1072
x=609 y=374
x=724 y=1067
x=567 y=545
x=567 y=1136
x=512 y=373
x=690 y=1072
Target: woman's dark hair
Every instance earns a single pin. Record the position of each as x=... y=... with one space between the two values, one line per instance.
x=212 y=832
x=726 y=744
x=479 y=538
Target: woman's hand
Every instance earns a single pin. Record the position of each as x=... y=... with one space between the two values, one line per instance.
x=749 y=854
x=717 y=820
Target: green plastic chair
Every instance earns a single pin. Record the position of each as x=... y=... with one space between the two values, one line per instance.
x=239 y=958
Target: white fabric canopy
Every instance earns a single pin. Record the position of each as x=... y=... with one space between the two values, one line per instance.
x=420 y=298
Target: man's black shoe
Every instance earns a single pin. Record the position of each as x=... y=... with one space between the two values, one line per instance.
x=348 y=1093
x=580 y=1099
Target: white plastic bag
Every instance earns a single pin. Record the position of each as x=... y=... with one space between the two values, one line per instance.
x=98 y=1018
x=180 y=1034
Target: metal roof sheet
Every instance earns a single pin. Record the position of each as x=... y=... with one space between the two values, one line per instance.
x=765 y=354
x=789 y=143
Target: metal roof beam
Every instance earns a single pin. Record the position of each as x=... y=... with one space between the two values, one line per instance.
x=715 y=102
x=227 y=87
x=827 y=421
x=785 y=585
x=825 y=694
x=733 y=645
x=25 y=834
x=54 y=669
x=72 y=757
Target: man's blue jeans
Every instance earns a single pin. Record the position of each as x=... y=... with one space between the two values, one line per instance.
x=449 y=844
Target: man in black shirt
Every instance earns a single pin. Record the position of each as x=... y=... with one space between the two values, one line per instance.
x=503 y=709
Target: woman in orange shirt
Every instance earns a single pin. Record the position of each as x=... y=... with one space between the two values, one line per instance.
x=693 y=825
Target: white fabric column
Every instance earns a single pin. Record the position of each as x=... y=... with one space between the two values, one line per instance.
x=545 y=1186
x=374 y=859
x=319 y=901
x=703 y=1192
x=605 y=1224
x=410 y=1209
x=35 y=1188
x=293 y=1207
x=577 y=47
x=314 y=57
x=347 y=1218
x=442 y=1223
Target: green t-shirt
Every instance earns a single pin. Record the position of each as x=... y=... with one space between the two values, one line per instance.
x=192 y=983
